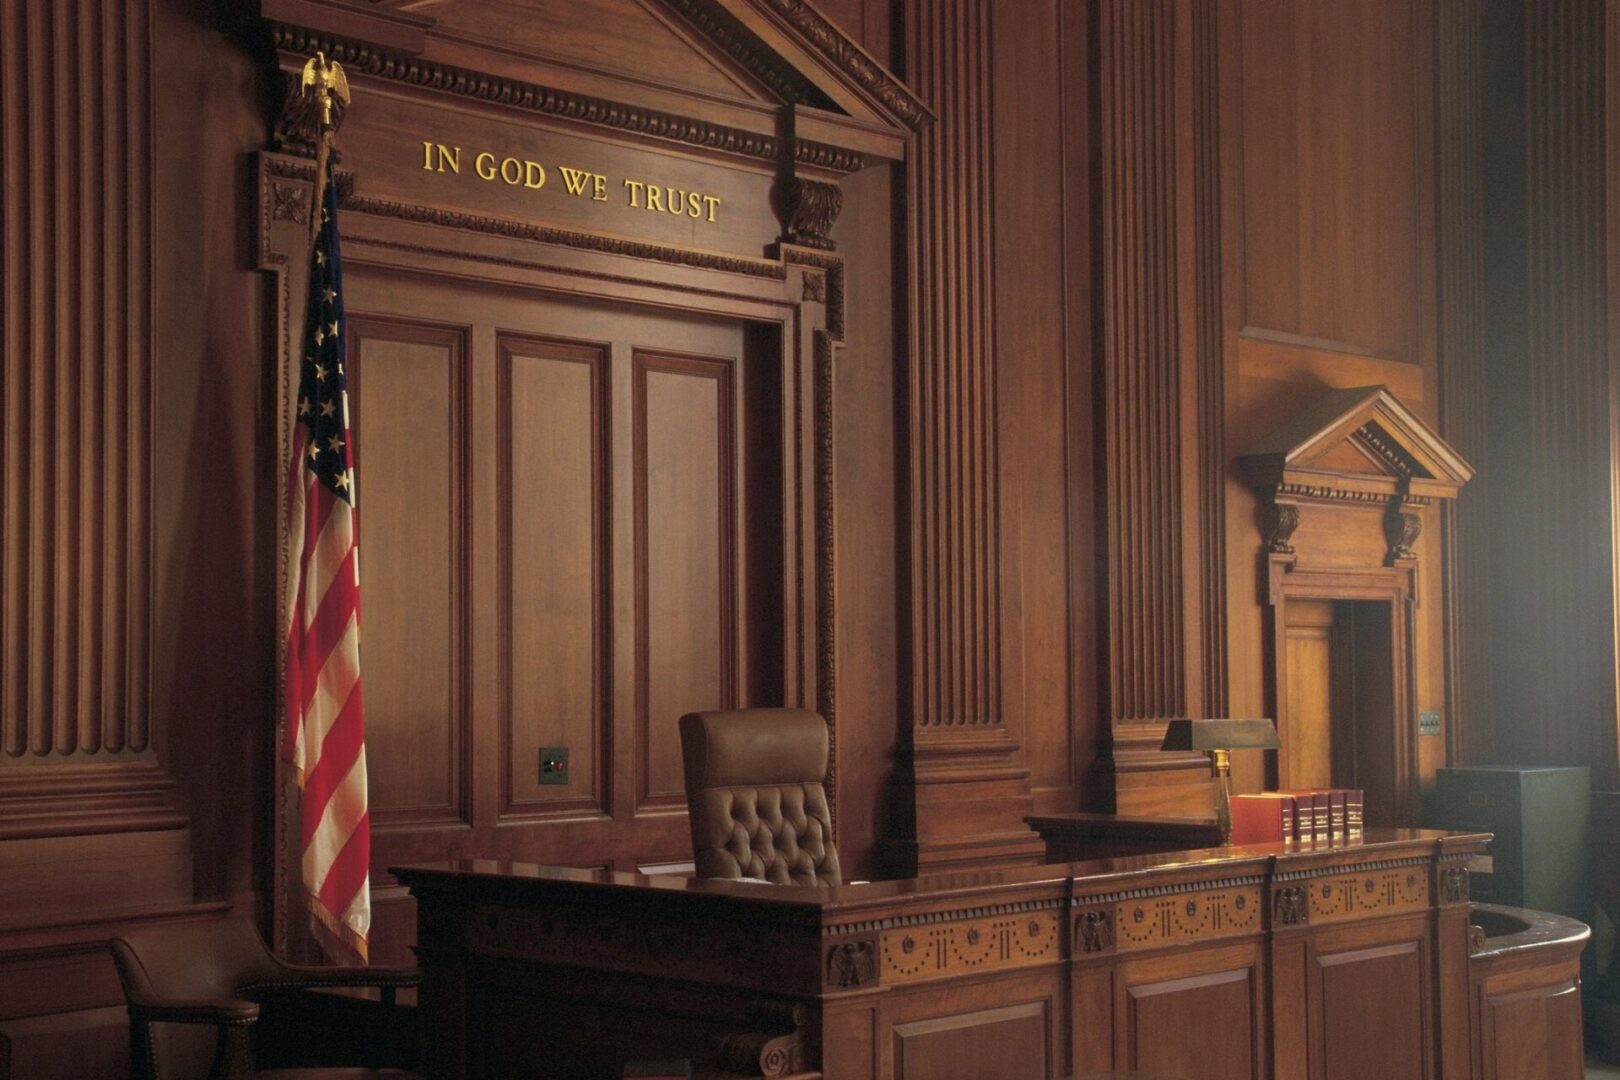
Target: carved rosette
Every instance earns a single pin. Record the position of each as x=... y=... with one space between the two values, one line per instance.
x=1281 y=521
x=808 y=209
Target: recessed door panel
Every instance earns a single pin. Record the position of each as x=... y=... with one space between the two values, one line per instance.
x=406 y=405
x=553 y=400
x=686 y=566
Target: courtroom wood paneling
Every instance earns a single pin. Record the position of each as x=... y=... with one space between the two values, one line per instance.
x=1218 y=994
x=1368 y=1010
x=407 y=386
x=1533 y=1033
x=686 y=565
x=1010 y=1041
x=1334 y=223
x=553 y=402
x=1046 y=709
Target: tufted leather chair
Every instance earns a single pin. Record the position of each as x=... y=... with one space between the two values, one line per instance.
x=189 y=987
x=754 y=786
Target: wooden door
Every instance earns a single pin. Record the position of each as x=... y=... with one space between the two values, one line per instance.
x=1341 y=721
x=1307 y=744
x=555 y=498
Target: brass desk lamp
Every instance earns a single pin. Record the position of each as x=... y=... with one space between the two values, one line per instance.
x=1220 y=737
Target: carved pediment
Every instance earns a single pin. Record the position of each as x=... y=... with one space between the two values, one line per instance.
x=1360 y=444
x=731 y=65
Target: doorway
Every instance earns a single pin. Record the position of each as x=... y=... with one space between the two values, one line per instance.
x=1341 y=710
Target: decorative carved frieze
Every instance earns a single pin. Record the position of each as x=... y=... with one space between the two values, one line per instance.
x=1191 y=916
x=988 y=944
x=848 y=57
x=379 y=63
x=1366 y=893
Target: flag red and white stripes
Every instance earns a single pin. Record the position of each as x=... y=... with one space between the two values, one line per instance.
x=325 y=721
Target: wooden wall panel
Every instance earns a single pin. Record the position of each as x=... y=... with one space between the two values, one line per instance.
x=1215 y=991
x=1369 y=1013
x=1046 y=709
x=406 y=385
x=553 y=408
x=686 y=529
x=75 y=456
x=1010 y=1042
x=1330 y=184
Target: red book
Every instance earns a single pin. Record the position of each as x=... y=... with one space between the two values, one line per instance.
x=1320 y=813
x=1265 y=818
x=1355 y=817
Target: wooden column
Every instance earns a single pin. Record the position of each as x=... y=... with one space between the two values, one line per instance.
x=962 y=789
x=76 y=727
x=1161 y=405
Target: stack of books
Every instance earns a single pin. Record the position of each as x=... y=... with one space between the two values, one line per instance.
x=1306 y=815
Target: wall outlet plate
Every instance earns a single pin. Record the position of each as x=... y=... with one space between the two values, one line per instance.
x=554 y=764
x=1429 y=722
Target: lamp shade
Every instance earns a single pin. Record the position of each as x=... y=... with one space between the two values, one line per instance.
x=1220 y=735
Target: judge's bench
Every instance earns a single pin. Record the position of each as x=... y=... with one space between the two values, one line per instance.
x=1283 y=960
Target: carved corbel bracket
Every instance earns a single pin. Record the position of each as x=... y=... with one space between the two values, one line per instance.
x=808 y=209
x=767 y=1053
x=1402 y=527
x=1281 y=521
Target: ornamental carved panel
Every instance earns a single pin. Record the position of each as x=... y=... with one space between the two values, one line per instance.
x=1184 y=917
x=1364 y=894
x=997 y=943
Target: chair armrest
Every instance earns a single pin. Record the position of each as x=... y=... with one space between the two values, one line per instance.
x=302 y=977
x=223 y=1012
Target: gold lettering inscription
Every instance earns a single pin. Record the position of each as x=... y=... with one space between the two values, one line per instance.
x=582 y=183
x=435 y=156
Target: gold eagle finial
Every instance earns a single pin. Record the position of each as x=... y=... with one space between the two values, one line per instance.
x=326 y=81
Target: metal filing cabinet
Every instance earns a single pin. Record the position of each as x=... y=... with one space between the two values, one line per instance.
x=1539 y=815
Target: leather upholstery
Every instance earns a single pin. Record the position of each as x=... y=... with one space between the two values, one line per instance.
x=190 y=986
x=755 y=788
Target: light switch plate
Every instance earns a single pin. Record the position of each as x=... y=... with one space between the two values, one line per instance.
x=554 y=764
x=1429 y=722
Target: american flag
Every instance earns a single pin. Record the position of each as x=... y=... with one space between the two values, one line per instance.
x=325 y=725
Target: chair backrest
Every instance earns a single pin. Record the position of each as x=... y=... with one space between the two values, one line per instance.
x=205 y=960
x=755 y=786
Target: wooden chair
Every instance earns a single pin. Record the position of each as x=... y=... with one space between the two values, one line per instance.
x=191 y=989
